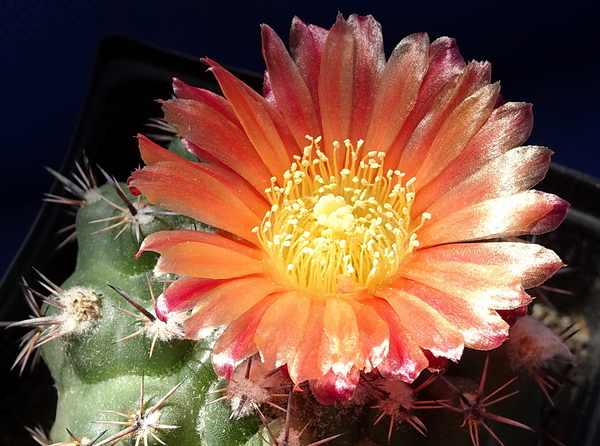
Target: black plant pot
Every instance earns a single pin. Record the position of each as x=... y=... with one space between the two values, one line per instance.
x=128 y=78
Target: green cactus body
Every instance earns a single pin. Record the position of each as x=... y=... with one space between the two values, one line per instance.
x=95 y=373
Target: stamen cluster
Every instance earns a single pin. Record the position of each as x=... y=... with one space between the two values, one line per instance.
x=328 y=223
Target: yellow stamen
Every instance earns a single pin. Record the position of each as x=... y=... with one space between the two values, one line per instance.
x=328 y=221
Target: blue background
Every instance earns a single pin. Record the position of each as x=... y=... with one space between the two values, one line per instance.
x=544 y=52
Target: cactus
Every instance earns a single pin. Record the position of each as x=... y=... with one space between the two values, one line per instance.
x=129 y=369
x=122 y=373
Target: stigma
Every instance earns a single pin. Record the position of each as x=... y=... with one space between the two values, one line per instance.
x=331 y=225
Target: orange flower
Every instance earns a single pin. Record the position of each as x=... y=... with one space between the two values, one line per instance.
x=359 y=207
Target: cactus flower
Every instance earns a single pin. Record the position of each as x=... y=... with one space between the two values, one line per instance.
x=361 y=208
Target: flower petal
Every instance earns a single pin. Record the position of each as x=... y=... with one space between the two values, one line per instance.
x=333 y=387
x=436 y=364
x=445 y=63
x=508 y=126
x=203 y=192
x=398 y=89
x=227 y=302
x=204 y=260
x=492 y=286
x=341 y=346
x=263 y=124
x=183 y=294
x=309 y=360
x=455 y=132
x=515 y=171
x=481 y=327
x=203 y=254
x=374 y=335
x=237 y=341
x=212 y=100
x=306 y=47
x=465 y=92
x=164 y=240
x=532 y=264
x=284 y=321
x=530 y=212
x=291 y=93
x=405 y=359
x=369 y=63
x=153 y=154
x=211 y=127
x=336 y=81
x=445 y=68
x=492 y=274
x=428 y=328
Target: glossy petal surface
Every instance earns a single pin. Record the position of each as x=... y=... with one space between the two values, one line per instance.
x=360 y=206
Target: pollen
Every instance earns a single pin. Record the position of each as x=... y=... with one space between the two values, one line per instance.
x=332 y=224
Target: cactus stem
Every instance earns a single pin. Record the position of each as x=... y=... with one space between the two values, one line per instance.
x=127 y=218
x=134 y=214
x=142 y=423
x=83 y=186
x=249 y=392
x=153 y=326
x=44 y=440
x=397 y=400
x=532 y=346
x=473 y=407
x=78 y=310
x=288 y=436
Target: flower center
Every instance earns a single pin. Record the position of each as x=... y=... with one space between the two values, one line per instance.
x=334 y=229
